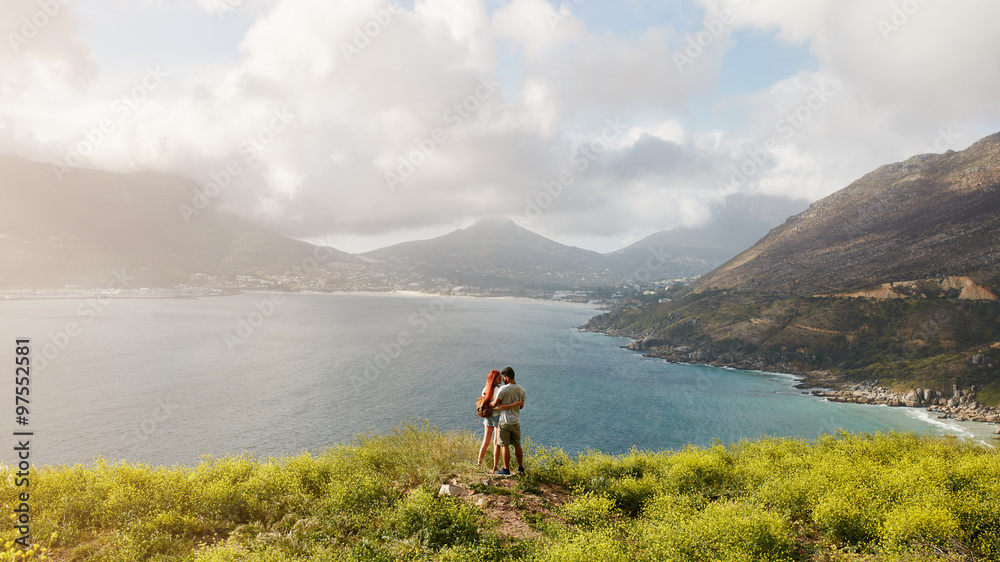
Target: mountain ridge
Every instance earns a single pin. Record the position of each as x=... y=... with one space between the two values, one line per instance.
x=879 y=235
x=56 y=234
x=81 y=229
x=892 y=278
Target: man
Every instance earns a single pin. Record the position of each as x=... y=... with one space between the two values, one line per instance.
x=510 y=400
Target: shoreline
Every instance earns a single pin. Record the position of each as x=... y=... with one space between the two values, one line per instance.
x=231 y=293
x=961 y=406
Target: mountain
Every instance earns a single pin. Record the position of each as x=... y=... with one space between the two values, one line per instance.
x=692 y=251
x=81 y=230
x=893 y=278
x=498 y=253
x=928 y=217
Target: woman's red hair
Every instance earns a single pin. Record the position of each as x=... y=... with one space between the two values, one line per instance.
x=491 y=382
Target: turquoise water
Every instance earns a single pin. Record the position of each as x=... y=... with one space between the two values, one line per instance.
x=164 y=381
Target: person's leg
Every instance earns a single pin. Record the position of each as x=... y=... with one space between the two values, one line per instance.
x=515 y=441
x=496 y=449
x=505 y=441
x=487 y=437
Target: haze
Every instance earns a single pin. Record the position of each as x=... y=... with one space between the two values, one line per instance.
x=362 y=124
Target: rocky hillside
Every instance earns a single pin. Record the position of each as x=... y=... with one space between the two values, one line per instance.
x=928 y=217
x=894 y=278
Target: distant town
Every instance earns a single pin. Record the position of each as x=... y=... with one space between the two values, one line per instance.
x=203 y=285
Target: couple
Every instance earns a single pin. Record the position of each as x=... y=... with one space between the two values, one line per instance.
x=506 y=402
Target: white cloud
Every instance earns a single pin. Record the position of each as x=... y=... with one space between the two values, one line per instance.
x=369 y=85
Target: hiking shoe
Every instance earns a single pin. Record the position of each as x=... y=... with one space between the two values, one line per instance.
x=503 y=472
x=520 y=471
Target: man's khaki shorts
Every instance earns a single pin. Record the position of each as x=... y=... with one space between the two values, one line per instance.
x=510 y=435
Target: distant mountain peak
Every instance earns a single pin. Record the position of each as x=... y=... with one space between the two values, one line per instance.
x=496 y=225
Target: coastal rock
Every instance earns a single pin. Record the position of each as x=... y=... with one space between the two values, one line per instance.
x=646 y=344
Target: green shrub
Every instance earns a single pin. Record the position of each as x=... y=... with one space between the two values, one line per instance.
x=924 y=524
x=848 y=517
x=436 y=521
x=707 y=472
x=589 y=511
x=721 y=532
x=587 y=546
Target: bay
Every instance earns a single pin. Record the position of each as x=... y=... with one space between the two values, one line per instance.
x=165 y=381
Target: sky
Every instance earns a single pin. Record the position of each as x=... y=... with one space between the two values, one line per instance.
x=364 y=123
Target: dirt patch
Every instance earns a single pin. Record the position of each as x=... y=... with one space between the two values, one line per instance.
x=514 y=510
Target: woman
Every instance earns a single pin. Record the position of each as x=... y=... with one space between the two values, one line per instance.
x=491 y=423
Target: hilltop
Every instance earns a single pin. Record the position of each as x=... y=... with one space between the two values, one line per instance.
x=843 y=497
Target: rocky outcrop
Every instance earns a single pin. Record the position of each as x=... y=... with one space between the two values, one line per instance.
x=966 y=288
x=961 y=405
x=645 y=344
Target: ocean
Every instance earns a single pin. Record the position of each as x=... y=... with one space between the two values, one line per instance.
x=166 y=381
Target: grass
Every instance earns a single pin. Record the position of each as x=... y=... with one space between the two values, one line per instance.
x=842 y=497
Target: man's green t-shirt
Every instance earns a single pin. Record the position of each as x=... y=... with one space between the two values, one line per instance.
x=510 y=393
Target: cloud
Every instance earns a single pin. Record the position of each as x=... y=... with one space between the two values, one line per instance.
x=46 y=65
x=355 y=119
x=384 y=140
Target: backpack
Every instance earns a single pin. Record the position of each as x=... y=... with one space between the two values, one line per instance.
x=483 y=409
